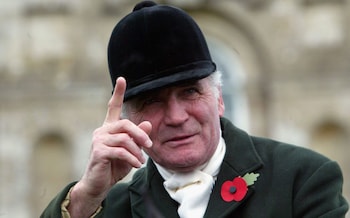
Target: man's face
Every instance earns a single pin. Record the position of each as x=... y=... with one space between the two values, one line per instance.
x=185 y=123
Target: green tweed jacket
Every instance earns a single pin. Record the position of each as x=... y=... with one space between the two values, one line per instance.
x=293 y=182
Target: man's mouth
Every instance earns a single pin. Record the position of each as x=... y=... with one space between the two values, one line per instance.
x=179 y=140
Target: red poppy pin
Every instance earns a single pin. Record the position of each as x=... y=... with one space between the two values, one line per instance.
x=236 y=189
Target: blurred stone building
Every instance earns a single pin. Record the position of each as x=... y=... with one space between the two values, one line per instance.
x=286 y=76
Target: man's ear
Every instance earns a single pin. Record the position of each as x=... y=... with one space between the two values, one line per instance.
x=221 y=104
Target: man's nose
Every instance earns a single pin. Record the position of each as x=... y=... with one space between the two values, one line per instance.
x=176 y=112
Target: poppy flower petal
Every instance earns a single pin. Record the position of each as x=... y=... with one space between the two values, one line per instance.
x=234 y=190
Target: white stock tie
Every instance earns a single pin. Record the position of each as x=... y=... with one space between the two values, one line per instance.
x=192 y=190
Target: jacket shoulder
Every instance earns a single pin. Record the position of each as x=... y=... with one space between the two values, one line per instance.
x=280 y=151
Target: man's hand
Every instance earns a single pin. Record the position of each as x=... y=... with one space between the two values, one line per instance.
x=116 y=148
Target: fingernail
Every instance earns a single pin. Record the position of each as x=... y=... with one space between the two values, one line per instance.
x=143 y=160
x=149 y=143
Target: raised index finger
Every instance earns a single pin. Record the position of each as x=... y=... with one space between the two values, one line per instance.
x=116 y=102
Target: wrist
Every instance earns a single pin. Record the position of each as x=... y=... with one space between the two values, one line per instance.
x=81 y=204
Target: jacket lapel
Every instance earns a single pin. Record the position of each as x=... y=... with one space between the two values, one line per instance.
x=240 y=158
x=217 y=207
x=149 y=198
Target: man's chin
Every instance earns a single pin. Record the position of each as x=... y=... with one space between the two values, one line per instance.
x=183 y=164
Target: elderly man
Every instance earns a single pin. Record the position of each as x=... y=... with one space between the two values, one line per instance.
x=167 y=102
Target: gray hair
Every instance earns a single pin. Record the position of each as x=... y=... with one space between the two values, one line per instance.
x=215 y=80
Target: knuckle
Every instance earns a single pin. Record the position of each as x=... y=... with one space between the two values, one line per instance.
x=96 y=132
x=110 y=103
x=99 y=154
x=97 y=136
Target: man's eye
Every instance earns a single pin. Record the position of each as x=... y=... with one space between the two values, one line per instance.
x=150 y=101
x=190 y=93
x=192 y=90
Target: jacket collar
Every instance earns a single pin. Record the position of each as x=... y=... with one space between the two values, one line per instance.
x=240 y=158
